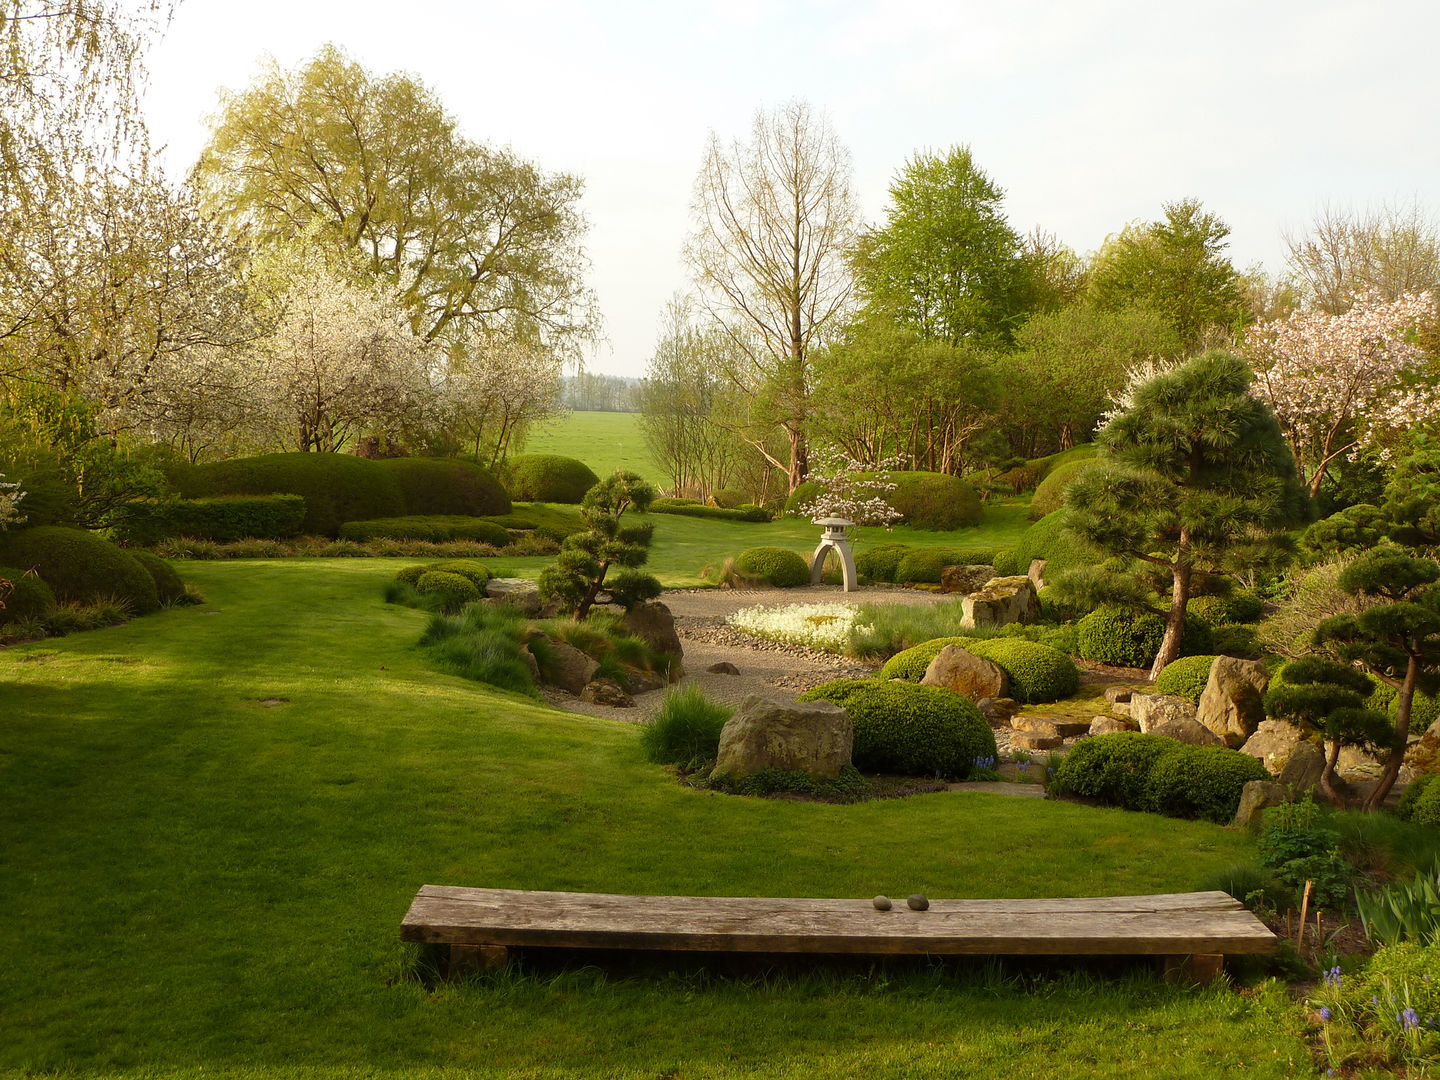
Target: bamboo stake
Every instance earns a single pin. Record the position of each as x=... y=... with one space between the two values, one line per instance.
x=1304 y=910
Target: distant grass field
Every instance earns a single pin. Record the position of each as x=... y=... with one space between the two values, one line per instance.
x=214 y=818
x=605 y=441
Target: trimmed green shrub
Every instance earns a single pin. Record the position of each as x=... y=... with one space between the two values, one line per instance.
x=687 y=728
x=550 y=478
x=1242 y=606
x=1185 y=677
x=223 y=519
x=910 y=729
x=1405 y=811
x=1050 y=494
x=1047 y=540
x=1038 y=673
x=167 y=582
x=81 y=566
x=691 y=508
x=775 y=566
x=475 y=573
x=443 y=486
x=1238 y=640
x=1113 y=769
x=730 y=498
x=451 y=590
x=1425 y=808
x=440 y=529
x=806 y=492
x=1202 y=781
x=29 y=597
x=880 y=563
x=1110 y=635
x=925 y=564
x=336 y=487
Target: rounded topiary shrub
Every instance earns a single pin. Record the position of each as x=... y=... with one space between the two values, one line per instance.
x=1421 y=788
x=910 y=729
x=804 y=494
x=475 y=573
x=1242 y=606
x=444 y=486
x=1185 y=677
x=549 y=478
x=1114 y=769
x=336 y=487
x=451 y=590
x=926 y=564
x=81 y=566
x=1050 y=494
x=28 y=596
x=934 y=500
x=1110 y=635
x=1047 y=539
x=774 y=566
x=1037 y=672
x=880 y=563
x=1202 y=781
x=167 y=581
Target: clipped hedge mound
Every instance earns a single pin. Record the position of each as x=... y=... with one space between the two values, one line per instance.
x=1242 y=606
x=167 y=582
x=81 y=566
x=775 y=566
x=29 y=597
x=910 y=729
x=691 y=508
x=475 y=573
x=926 y=500
x=1050 y=494
x=1110 y=635
x=925 y=564
x=903 y=563
x=550 y=478
x=452 y=590
x=438 y=529
x=1151 y=772
x=223 y=519
x=1185 y=677
x=880 y=563
x=443 y=486
x=1038 y=673
x=1421 y=797
x=1047 y=540
x=336 y=487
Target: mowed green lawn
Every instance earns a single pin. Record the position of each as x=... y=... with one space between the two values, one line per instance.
x=195 y=879
x=605 y=441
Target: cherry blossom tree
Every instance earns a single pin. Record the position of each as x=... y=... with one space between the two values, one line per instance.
x=852 y=490
x=495 y=389
x=1340 y=382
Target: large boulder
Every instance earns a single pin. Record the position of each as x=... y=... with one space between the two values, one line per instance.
x=1231 y=704
x=1276 y=743
x=966 y=674
x=1003 y=601
x=965 y=579
x=810 y=736
x=1255 y=797
x=568 y=667
x=1423 y=754
x=1190 y=732
x=1107 y=725
x=653 y=624
x=1148 y=710
x=1302 y=769
x=520 y=593
x=607 y=692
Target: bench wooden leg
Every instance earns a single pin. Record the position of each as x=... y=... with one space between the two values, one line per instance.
x=465 y=960
x=1201 y=968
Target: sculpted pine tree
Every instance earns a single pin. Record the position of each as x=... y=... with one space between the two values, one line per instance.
x=577 y=579
x=1193 y=476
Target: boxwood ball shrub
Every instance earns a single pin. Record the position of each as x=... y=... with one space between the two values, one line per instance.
x=336 y=487
x=475 y=573
x=1113 y=769
x=1050 y=494
x=925 y=564
x=451 y=590
x=1038 y=673
x=910 y=729
x=430 y=486
x=551 y=478
x=167 y=581
x=1110 y=635
x=1242 y=606
x=880 y=563
x=1201 y=781
x=81 y=566
x=1185 y=677
x=775 y=566
x=29 y=597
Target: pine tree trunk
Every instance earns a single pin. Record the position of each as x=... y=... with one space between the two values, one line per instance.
x=1403 y=703
x=1175 y=622
x=1327 y=776
x=587 y=601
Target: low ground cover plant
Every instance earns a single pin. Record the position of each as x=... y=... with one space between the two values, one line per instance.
x=910 y=729
x=818 y=626
x=1387 y=1014
x=482 y=644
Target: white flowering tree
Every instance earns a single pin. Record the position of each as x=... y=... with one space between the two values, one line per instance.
x=1338 y=383
x=495 y=388
x=852 y=490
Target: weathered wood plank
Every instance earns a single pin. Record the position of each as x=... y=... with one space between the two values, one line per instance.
x=1145 y=925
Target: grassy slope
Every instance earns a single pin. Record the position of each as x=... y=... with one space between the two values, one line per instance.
x=194 y=881
x=605 y=441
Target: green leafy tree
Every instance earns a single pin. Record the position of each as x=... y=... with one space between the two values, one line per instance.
x=1397 y=639
x=1318 y=692
x=946 y=264
x=1193 y=476
x=1176 y=266
x=577 y=579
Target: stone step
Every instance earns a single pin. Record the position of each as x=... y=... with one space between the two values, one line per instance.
x=1031 y=740
x=1051 y=726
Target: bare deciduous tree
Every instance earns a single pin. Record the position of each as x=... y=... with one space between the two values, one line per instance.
x=774 y=219
x=1386 y=252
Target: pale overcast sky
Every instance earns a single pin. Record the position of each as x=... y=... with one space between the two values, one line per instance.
x=1089 y=113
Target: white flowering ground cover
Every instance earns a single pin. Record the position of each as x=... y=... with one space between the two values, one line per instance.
x=819 y=626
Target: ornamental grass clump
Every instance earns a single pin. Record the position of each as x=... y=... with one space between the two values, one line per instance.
x=686 y=730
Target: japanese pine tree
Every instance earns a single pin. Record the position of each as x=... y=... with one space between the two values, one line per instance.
x=1193 y=478
x=577 y=579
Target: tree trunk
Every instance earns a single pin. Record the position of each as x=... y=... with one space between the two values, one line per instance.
x=799 y=459
x=1403 y=702
x=1327 y=776
x=1175 y=623
x=587 y=601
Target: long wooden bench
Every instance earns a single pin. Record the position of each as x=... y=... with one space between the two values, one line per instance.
x=477 y=926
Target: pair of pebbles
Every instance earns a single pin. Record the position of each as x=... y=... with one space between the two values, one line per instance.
x=915 y=903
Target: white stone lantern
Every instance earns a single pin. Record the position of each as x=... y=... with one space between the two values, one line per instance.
x=834 y=539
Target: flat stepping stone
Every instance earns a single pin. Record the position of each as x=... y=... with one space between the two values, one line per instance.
x=1050 y=726
x=1032 y=740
